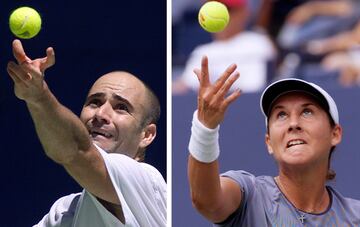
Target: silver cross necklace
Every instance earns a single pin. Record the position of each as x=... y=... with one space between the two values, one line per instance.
x=302 y=216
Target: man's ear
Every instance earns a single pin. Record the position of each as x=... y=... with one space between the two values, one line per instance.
x=268 y=144
x=148 y=135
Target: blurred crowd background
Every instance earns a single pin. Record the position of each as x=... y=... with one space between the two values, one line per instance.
x=316 y=40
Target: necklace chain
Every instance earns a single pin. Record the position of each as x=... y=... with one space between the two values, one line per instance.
x=278 y=181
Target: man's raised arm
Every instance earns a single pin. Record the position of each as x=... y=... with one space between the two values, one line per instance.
x=63 y=136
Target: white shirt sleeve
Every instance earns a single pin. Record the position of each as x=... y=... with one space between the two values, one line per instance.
x=140 y=188
x=61 y=213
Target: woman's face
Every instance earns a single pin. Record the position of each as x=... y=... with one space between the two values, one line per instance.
x=299 y=132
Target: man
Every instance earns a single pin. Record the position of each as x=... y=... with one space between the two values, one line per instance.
x=102 y=150
x=302 y=132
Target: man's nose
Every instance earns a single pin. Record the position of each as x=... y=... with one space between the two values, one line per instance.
x=103 y=113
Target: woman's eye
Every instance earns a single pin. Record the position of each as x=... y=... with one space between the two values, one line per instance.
x=307 y=112
x=281 y=115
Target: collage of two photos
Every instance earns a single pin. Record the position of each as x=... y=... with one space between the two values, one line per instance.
x=180 y=113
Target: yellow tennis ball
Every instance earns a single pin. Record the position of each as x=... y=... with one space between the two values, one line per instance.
x=213 y=16
x=25 y=22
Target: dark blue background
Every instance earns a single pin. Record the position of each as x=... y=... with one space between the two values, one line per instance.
x=90 y=38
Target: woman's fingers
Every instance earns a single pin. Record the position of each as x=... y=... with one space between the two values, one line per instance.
x=223 y=78
x=204 y=77
x=224 y=89
x=232 y=97
x=198 y=74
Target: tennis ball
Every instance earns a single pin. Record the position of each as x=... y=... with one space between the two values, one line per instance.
x=25 y=22
x=213 y=16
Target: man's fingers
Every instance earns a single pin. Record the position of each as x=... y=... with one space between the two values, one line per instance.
x=13 y=75
x=19 y=52
x=49 y=60
x=19 y=72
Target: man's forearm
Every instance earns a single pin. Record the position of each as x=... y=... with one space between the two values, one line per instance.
x=60 y=131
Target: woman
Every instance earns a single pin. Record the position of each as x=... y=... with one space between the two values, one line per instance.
x=302 y=132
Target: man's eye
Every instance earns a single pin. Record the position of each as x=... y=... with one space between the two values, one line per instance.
x=122 y=106
x=94 y=103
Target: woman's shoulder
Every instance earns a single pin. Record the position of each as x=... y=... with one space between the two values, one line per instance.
x=342 y=204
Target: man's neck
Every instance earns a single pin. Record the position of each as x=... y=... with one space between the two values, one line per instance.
x=115 y=209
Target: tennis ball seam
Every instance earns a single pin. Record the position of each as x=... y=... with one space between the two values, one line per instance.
x=24 y=22
x=214 y=17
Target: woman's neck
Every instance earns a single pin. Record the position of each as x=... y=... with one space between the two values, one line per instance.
x=306 y=192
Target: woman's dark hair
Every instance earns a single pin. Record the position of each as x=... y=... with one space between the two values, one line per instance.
x=331 y=174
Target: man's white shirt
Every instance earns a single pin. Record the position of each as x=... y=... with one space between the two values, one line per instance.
x=141 y=190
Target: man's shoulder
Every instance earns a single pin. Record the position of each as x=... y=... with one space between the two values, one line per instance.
x=154 y=173
x=150 y=168
x=68 y=202
x=125 y=169
x=61 y=212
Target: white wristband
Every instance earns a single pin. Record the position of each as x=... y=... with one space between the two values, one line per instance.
x=204 y=142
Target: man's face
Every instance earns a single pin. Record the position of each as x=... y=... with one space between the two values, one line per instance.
x=113 y=113
x=299 y=131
